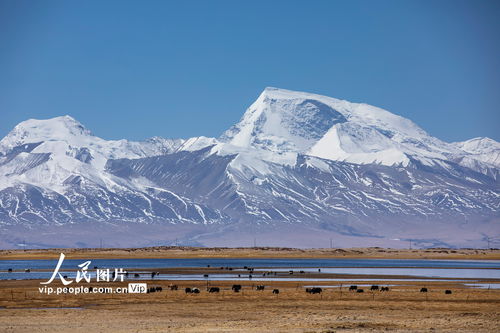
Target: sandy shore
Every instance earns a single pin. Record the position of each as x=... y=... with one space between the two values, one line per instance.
x=194 y=252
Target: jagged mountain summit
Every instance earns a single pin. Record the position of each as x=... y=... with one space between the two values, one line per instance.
x=283 y=121
x=296 y=170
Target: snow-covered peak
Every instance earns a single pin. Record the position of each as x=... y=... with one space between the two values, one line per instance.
x=284 y=121
x=479 y=145
x=280 y=121
x=483 y=149
x=360 y=113
x=36 y=130
x=72 y=149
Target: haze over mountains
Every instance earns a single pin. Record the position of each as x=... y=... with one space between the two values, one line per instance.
x=298 y=170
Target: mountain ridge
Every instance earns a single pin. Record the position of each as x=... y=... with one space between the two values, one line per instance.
x=294 y=160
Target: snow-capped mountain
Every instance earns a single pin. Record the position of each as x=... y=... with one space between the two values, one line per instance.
x=481 y=149
x=296 y=164
x=53 y=172
x=287 y=121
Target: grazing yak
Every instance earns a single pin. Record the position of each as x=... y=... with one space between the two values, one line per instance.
x=384 y=289
x=351 y=288
x=213 y=289
x=360 y=291
x=154 y=289
x=173 y=286
x=315 y=290
x=374 y=287
x=192 y=291
x=447 y=292
x=423 y=290
x=259 y=288
x=276 y=291
x=236 y=288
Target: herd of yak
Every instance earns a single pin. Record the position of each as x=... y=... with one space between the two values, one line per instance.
x=237 y=288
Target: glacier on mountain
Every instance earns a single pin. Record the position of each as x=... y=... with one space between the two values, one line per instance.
x=295 y=164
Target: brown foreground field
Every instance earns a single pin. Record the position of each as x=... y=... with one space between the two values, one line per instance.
x=402 y=309
x=258 y=252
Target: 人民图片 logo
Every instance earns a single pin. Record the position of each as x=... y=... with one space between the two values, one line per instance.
x=83 y=273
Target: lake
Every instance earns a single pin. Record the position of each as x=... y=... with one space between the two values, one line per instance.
x=416 y=269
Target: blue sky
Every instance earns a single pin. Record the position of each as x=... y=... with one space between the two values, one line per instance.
x=136 y=69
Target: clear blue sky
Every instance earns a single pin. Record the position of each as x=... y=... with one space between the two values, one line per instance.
x=136 y=69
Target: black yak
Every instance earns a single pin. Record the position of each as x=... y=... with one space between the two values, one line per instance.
x=314 y=290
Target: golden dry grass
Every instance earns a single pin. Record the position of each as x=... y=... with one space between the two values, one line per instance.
x=200 y=252
x=403 y=309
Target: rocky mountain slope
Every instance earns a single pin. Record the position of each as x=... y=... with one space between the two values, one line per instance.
x=296 y=170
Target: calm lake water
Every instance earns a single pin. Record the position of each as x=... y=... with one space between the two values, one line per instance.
x=420 y=269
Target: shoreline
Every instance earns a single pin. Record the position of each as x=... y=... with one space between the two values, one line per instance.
x=251 y=253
